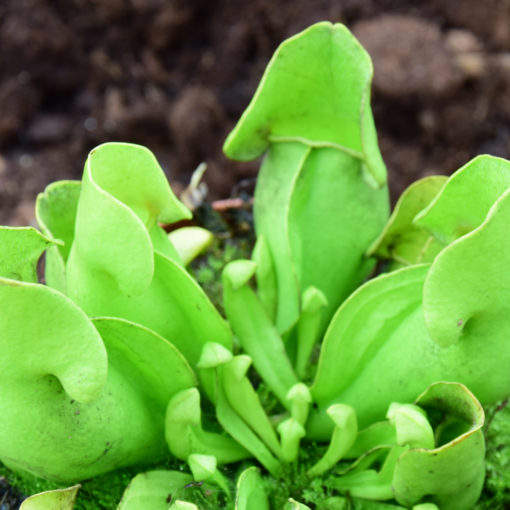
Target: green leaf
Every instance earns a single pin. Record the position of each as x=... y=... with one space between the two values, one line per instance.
x=124 y=194
x=151 y=363
x=121 y=262
x=291 y=432
x=182 y=505
x=84 y=409
x=265 y=276
x=213 y=355
x=153 y=490
x=51 y=355
x=204 y=467
x=452 y=474
x=275 y=185
x=362 y=347
x=402 y=241
x=458 y=334
x=464 y=201
x=20 y=249
x=245 y=401
x=371 y=483
x=342 y=439
x=308 y=328
x=333 y=218
x=185 y=436
x=324 y=101
x=292 y=504
x=411 y=425
x=55 y=210
x=242 y=433
x=465 y=308
x=256 y=334
x=381 y=433
x=250 y=494
x=33 y=322
x=323 y=169
x=131 y=174
x=190 y=242
x=173 y=305
x=59 y=499
x=300 y=399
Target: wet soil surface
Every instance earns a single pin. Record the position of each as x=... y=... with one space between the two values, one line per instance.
x=176 y=74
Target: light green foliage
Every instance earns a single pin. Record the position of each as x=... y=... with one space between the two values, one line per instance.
x=452 y=309
x=313 y=393
x=322 y=172
x=463 y=203
x=372 y=324
x=250 y=494
x=150 y=286
x=465 y=285
x=58 y=499
x=153 y=489
x=27 y=244
x=182 y=505
x=72 y=398
x=295 y=505
x=95 y=401
x=257 y=335
x=342 y=439
x=324 y=100
x=411 y=426
x=185 y=436
x=459 y=449
x=402 y=241
x=411 y=470
x=190 y=242
x=55 y=210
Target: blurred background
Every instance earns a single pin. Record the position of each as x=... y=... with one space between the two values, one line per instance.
x=176 y=74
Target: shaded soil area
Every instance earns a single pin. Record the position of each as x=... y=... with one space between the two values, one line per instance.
x=176 y=74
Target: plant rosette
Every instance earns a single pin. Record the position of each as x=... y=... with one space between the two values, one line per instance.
x=350 y=393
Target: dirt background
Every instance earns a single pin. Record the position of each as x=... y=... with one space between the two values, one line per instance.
x=175 y=75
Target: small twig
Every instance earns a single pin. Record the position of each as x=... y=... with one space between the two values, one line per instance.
x=231 y=203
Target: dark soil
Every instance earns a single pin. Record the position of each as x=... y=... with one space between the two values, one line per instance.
x=10 y=499
x=176 y=74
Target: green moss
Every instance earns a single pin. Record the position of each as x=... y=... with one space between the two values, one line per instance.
x=100 y=493
x=207 y=269
x=27 y=485
x=104 y=491
x=496 y=492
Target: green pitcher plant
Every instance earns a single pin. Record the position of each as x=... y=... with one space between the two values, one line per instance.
x=326 y=385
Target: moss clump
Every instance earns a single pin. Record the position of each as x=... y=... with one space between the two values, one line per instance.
x=100 y=493
x=496 y=492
